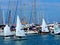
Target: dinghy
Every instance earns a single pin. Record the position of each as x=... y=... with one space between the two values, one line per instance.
x=56 y=29
x=7 y=33
x=19 y=32
x=44 y=27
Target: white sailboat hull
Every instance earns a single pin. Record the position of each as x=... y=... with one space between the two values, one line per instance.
x=2 y=34
x=31 y=32
x=57 y=32
x=56 y=29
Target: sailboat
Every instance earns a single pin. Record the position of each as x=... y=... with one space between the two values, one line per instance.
x=19 y=32
x=44 y=27
x=56 y=29
x=7 y=33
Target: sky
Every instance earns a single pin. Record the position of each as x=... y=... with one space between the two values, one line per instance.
x=50 y=9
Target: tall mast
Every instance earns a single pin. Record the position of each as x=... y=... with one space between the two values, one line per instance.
x=39 y=18
x=42 y=11
x=14 y=20
x=21 y=11
x=3 y=18
x=34 y=11
x=9 y=18
x=24 y=16
x=9 y=14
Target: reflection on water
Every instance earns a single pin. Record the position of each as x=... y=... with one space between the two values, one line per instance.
x=19 y=42
x=33 y=40
x=6 y=41
x=57 y=37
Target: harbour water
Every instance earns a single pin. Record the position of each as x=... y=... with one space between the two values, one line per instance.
x=33 y=40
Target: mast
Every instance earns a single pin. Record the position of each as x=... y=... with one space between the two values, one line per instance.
x=3 y=18
x=21 y=11
x=14 y=20
x=24 y=16
x=9 y=18
x=34 y=11
x=42 y=12
x=9 y=15
x=1 y=21
x=39 y=18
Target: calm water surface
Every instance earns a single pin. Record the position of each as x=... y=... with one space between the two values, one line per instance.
x=33 y=40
